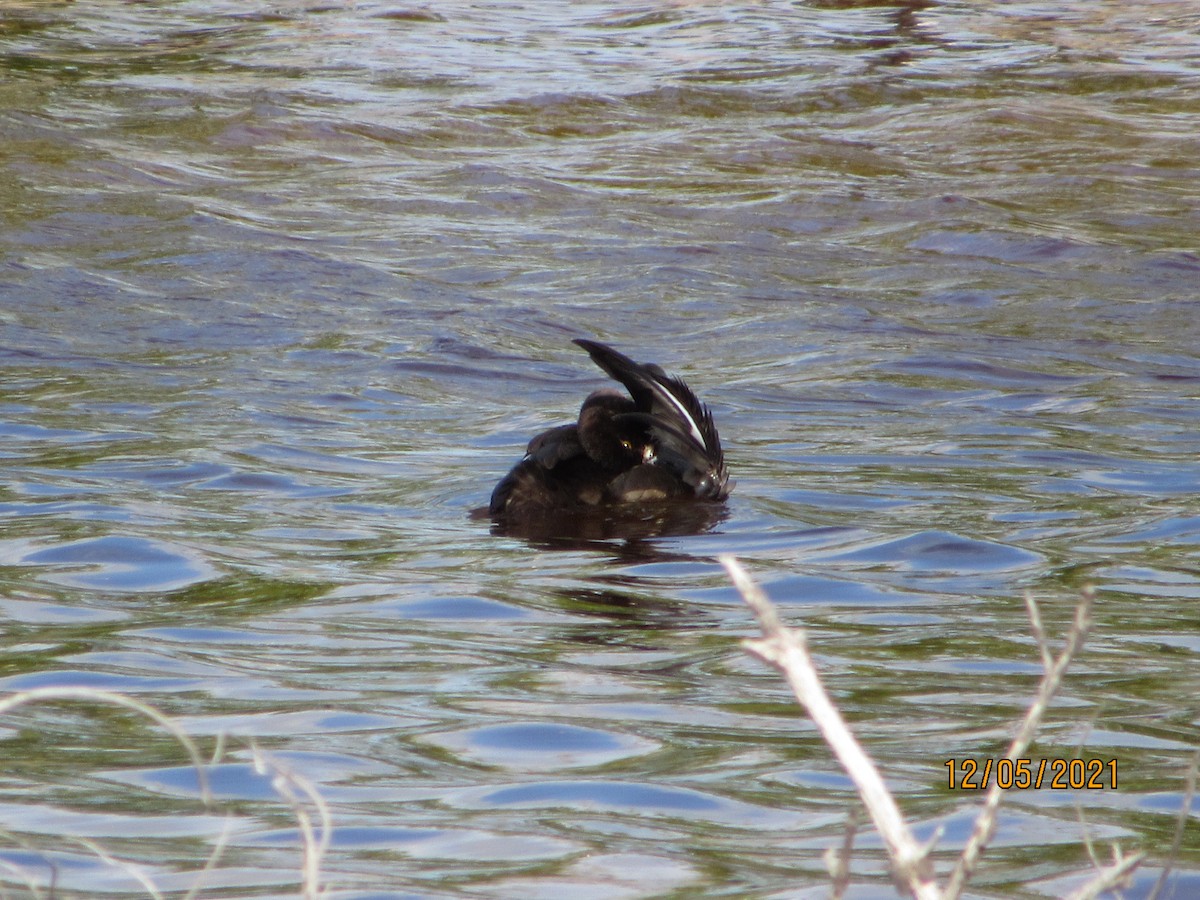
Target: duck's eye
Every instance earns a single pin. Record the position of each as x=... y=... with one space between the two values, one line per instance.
x=627 y=445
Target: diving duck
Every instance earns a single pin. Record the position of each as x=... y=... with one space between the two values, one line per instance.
x=656 y=445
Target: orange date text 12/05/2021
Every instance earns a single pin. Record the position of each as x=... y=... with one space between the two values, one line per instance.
x=967 y=774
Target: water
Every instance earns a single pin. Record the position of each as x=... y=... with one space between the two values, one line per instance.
x=285 y=288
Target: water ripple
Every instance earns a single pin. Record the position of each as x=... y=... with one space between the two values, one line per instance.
x=120 y=563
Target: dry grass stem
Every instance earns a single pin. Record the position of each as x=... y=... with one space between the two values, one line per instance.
x=92 y=695
x=290 y=787
x=213 y=858
x=133 y=870
x=286 y=783
x=21 y=874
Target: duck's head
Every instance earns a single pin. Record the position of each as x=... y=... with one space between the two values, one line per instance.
x=606 y=434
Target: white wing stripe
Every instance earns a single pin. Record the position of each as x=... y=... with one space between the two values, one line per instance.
x=687 y=416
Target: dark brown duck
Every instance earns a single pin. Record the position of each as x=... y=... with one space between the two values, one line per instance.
x=658 y=444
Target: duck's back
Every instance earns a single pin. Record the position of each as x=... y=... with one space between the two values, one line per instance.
x=554 y=475
x=531 y=488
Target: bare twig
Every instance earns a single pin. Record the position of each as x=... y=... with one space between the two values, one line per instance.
x=838 y=860
x=1108 y=877
x=985 y=824
x=1084 y=828
x=786 y=649
x=1039 y=633
x=1184 y=808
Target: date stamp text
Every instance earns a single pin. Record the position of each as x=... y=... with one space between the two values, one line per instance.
x=967 y=774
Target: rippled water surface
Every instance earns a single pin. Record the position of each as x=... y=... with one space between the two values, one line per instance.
x=286 y=287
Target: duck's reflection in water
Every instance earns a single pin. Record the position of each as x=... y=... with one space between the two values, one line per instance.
x=601 y=528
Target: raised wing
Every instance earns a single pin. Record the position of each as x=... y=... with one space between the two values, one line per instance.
x=686 y=439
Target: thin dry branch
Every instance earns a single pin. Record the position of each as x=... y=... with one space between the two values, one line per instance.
x=1055 y=668
x=1180 y=824
x=1108 y=877
x=1039 y=633
x=786 y=649
x=838 y=860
